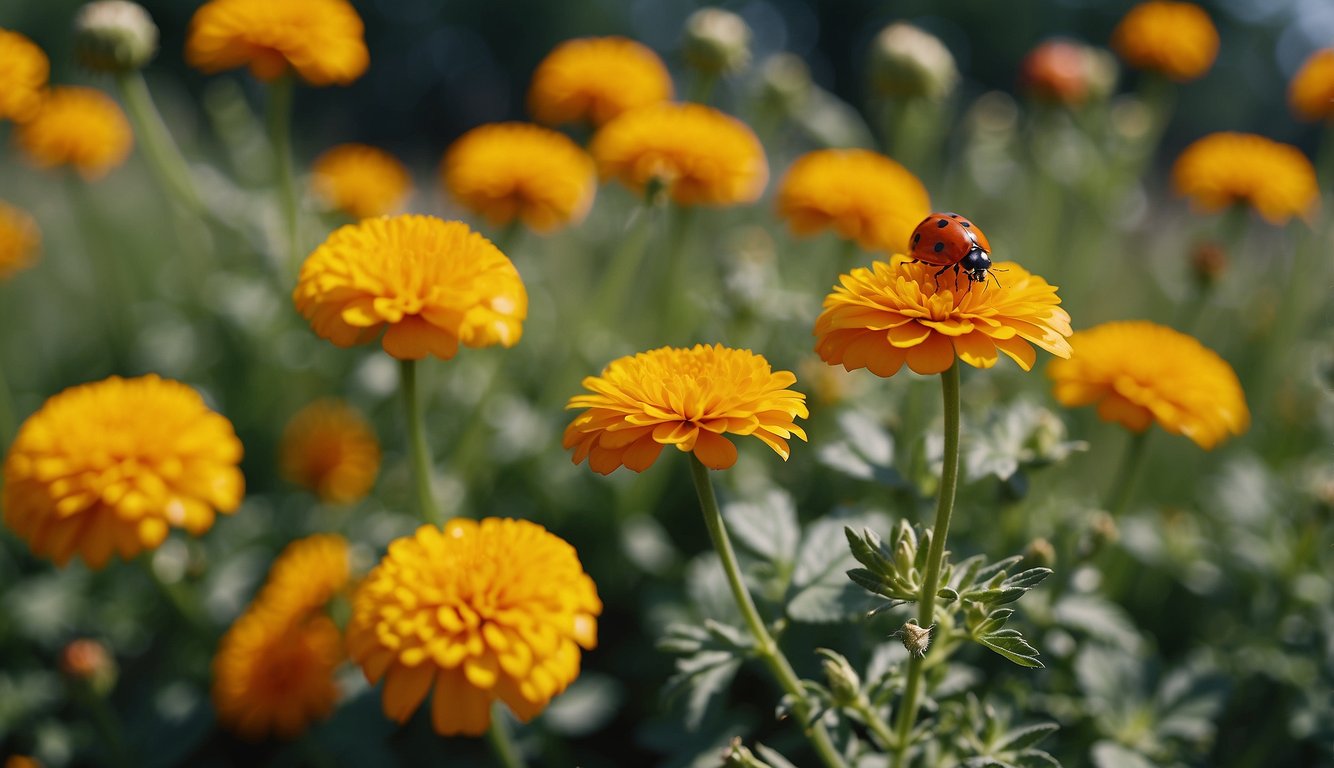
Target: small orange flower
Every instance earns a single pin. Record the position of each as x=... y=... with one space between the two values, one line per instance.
x=307 y=575
x=1223 y=169
x=323 y=40
x=862 y=195
x=79 y=127
x=1311 y=92
x=19 y=240
x=594 y=79
x=360 y=181
x=1177 y=40
x=23 y=72
x=330 y=449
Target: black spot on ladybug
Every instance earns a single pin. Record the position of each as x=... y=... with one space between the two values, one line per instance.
x=917 y=238
x=939 y=246
x=942 y=224
x=966 y=223
x=952 y=215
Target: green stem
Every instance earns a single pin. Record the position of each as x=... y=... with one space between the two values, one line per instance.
x=178 y=597
x=677 y=316
x=8 y=421
x=765 y=646
x=887 y=738
x=164 y=157
x=502 y=741
x=280 y=139
x=1132 y=464
x=107 y=724
x=935 y=557
x=701 y=88
x=421 y=453
x=109 y=267
x=624 y=266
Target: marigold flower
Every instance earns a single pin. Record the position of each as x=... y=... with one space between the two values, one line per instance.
x=307 y=575
x=702 y=156
x=1226 y=168
x=274 y=675
x=428 y=284
x=23 y=72
x=19 y=240
x=1067 y=72
x=1138 y=372
x=686 y=398
x=506 y=171
x=1177 y=40
x=892 y=313
x=330 y=449
x=79 y=127
x=862 y=195
x=112 y=466
x=594 y=79
x=323 y=40
x=360 y=181
x=481 y=610
x=1311 y=92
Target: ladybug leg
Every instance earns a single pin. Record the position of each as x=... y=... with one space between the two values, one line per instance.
x=941 y=272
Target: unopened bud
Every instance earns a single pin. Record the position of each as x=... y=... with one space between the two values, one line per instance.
x=1208 y=263
x=739 y=756
x=1100 y=532
x=785 y=82
x=1067 y=72
x=915 y=639
x=909 y=63
x=1040 y=554
x=844 y=682
x=87 y=661
x=717 y=41
x=114 y=36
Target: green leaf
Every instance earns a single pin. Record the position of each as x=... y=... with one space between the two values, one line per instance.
x=766 y=527
x=772 y=758
x=701 y=679
x=1010 y=644
x=949 y=594
x=820 y=590
x=997 y=567
x=829 y=603
x=1026 y=580
x=1022 y=738
x=865 y=547
x=1108 y=754
x=1036 y=758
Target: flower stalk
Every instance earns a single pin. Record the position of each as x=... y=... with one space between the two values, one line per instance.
x=164 y=157
x=280 y=139
x=502 y=740
x=1127 y=475
x=765 y=646
x=417 y=447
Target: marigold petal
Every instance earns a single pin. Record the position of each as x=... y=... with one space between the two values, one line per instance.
x=935 y=355
x=642 y=454
x=457 y=708
x=404 y=689
x=715 y=451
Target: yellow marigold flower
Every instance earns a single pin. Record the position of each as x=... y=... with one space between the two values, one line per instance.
x=79 y=127
x=23 y=72
x=506 y=171
x=329 y=448
x=701 y=155
x=428 y=284
x=19 y=240
x=481 y=610
x=111 y=466
x=307 y=575
x=360 y=181
x=594 y=79
x=1226 y=168
x=21 y=761
x=274 y=674
x=321 y=39
x=1138 y=372
x=862 y=195
x=686 y=398
x=882 y=317
x=1311 y=92
x=1177 y=40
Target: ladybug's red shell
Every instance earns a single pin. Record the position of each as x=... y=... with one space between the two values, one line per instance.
x=944 y=239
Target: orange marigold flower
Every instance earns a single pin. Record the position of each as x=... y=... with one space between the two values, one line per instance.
x=323 y=40
x=79 y=127
x=1226 y=168
x=862 y=195
x=594 y=79
x=1177 y=40
x=19 y=240
x=702 y=156
x=892 y=313
x=22 y=761
x=23 y=72
x=360 y=181
x=506 y=171
x=1311 y=92
x=428 y=284
x=112 y=466
x=330 y=449
x=686 y=398
x=307 y=575
x=481 y=610
x=273 y=674
x=1138 y=372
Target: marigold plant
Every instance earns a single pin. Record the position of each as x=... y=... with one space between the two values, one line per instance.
x=23 y=72
x=19 y=240
x=1311 y=92
x=307 y=575
x=1139 y=372
x=1177 y=40
x=509 y=171
x=860 y=194
x=702 y=156
x=1223 y=169
x=79 y=127
x=594 y=79
x=480 y=611
x=900 y=312
x=360 y=181
x=685 y=398
x=330 y=449
x=321 y=40
x=111 y=467
x=428 y=285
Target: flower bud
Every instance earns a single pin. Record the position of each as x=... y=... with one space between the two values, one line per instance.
x=717 y=42
x=1100 y=531
x=785 y=82
x=87 y=661
x=909 y=63
x=844 y=682
x=1067 y=72
x=1039 y=554
x=114 y=36
x=1208 y=263
x=915 y=639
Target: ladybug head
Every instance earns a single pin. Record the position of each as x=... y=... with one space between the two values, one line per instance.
x=976 y=264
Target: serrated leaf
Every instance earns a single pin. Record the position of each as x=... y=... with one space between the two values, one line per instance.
x=767 y=527
x=1013 y=647
x=823 y=561
x=1036 y=758
x=829 y=603
x=701 y=679
x=729 y=635
x=996 y=596
x=1026 y=579
x=1021 y=739
x=987 y=572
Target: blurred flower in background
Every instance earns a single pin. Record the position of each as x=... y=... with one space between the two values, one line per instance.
x=593 y=79
x=113 y=466
x=427 y=284
x=480 y=611
x=909 y=63
x=1067 y=72
x=1176 y=40
x=1311 y=92
x=716 y=42
x=23 y=72
x=360 y=181
x=322 y=40
x=20 y=240
x=114 y=36
x=701 y=156
x=330 y=449
x=1138 y=372
x=1223 y=169
x=79 y=127
x=511 y=172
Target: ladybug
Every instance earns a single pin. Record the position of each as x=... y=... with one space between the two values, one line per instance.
x=949 y=240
